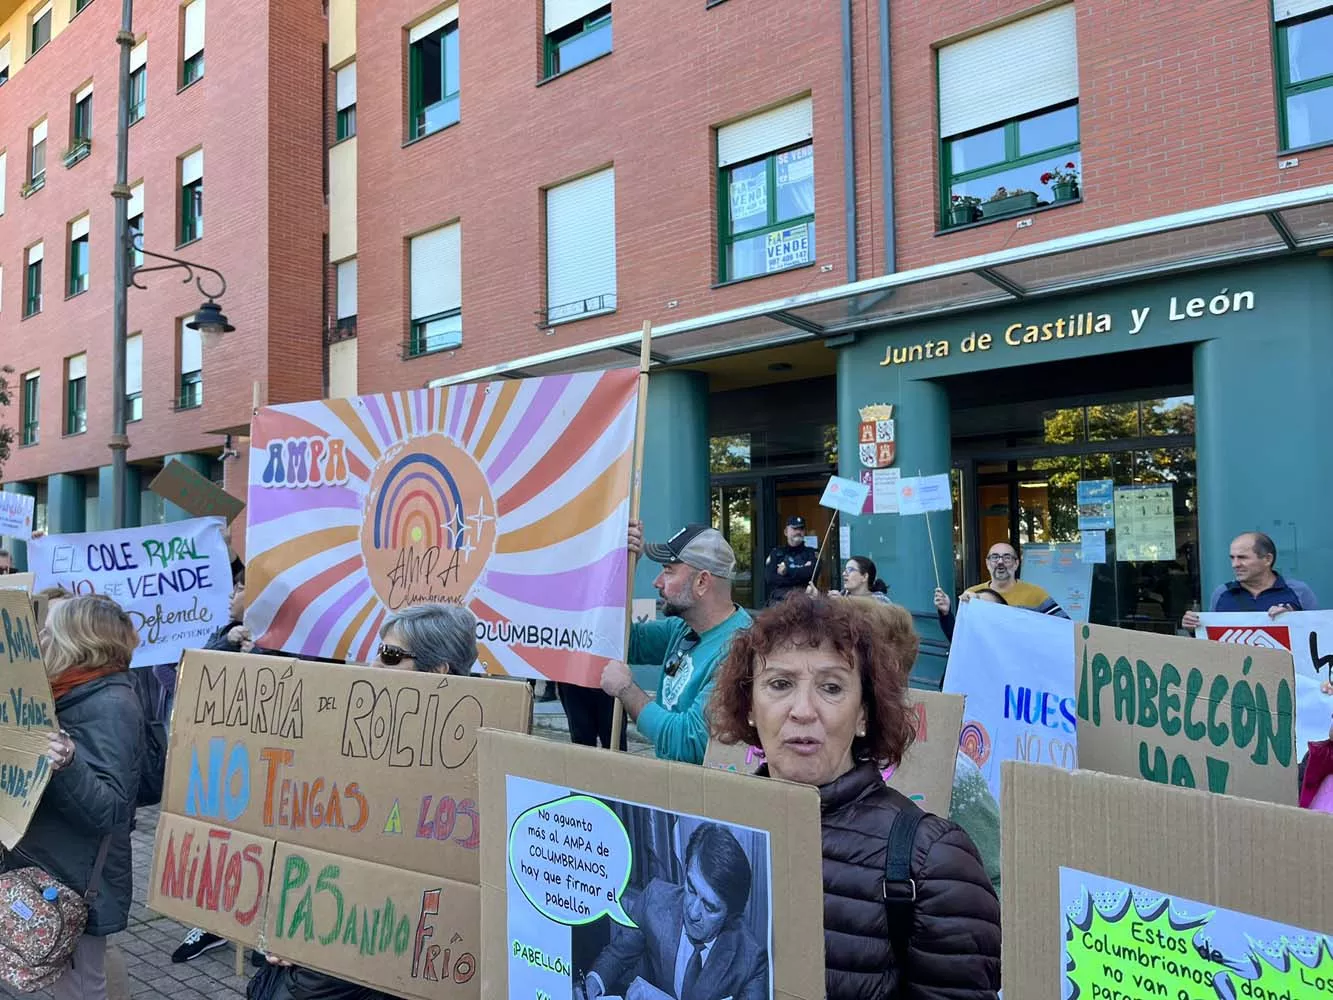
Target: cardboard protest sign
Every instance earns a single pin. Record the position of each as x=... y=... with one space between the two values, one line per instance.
x=173 y=580
x=510 y=498
x=27 y=714
x=590 y=874
x=1115 y=888
x=1308 y=635
x=16 y=581
x=16 y=513
x=195 y=494
x=1016 y=669
x=927 y=769
x=1181 y=712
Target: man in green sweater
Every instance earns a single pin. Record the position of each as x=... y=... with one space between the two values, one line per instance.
x=695 y=584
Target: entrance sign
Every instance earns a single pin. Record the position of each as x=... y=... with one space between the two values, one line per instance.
x=1016 y=669
x=845 y=495
x=173 y=580
x=1180 y=712
x=509 y=498
x=587 y=886
x=329 y=814
x=1178 y=894
x=1145 y=523
x=1308 y=635
x=27 y=714
x=926 y=773
x=16 y=513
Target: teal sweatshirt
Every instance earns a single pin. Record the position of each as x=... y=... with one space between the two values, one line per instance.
x=676 y=722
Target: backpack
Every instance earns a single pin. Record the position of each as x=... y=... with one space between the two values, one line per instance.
x=898 y=886
x=153 y=766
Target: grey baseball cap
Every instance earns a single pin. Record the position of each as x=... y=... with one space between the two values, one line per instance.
x=698 y=546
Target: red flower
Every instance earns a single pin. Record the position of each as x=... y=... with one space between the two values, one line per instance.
x=1069 y=165
x=1046 y=178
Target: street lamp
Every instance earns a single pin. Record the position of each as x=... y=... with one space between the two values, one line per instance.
x=209 y=319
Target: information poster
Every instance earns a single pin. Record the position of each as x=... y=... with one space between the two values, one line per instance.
x=1096 y=507
x=27 y=714
x=16 y=513
x=884 y=492
x=1123 y=938
x=1145 y=524
x=1064 y=574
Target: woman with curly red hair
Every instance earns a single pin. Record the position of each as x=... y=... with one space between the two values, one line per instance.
x=821 y=686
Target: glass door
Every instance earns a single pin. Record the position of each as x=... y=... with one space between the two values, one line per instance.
x=734 y=514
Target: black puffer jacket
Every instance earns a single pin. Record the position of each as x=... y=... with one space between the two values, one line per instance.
x=954 y=949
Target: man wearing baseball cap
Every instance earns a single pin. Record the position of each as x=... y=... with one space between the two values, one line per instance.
x=695 y=585
x=791 y=566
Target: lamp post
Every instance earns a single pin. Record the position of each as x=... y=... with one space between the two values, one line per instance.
x=209 y=320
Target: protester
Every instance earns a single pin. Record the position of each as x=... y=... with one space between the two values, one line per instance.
x=87 y=644
x=1004 y=562
x=695 y=586
x=590 y=713
x=791 y=566
x=947 y=618
x=431 y=638
x=228 y=637
x=821 y=686
x=1257 y=585
x=860 y=578
x=6 y=563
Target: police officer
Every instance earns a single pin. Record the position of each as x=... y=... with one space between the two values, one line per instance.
x=791 y=566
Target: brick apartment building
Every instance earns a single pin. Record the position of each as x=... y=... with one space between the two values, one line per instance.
x=225 y=161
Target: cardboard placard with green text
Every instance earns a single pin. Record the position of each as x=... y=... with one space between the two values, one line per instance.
x=194 y=493
x=1116 y=888
x=1188 y=713
x=27 y=714
x=927 y=770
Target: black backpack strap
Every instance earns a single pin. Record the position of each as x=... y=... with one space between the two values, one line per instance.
x=899 y=888
x=102 y=850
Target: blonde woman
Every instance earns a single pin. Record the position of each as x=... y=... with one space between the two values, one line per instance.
x=87 y=644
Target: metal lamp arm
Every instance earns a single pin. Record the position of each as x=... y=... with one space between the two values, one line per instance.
x=176 y=264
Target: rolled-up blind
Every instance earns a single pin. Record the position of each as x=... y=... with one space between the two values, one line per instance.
x=1008 y=72
x=1284 y=10
x=436 y=265
x=763 y=133
x=139 y=56
x=194 y=29
x=78 y=228
x=347 y=289
x=36 y=252
x=581 y=246
x=192 y=167
x=135 y=206
x=345 y=86
x=433 y=24
x=134 y=364
x=192 y=350
x=78 y=367
x=39 y=133
x=4 y=57
x=562 y=12
x=85 y=91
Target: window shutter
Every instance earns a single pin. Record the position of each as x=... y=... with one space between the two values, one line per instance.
x=78 y=367
x=78 y=229
x=1026 y=66
x=134 y=364
x=345 y=80
x=436 y=266
x=135 y=206
x=39 y=133
x=764 y=133
x=192 y=167
x=139 y=56
x=562 y=12
x=433 y=24
x=194 y=29
x=4 y=161
x=36 y=252
x=347 y=288
x=1284 y=10
x=85 y=92
x=4 y=56
x=192 y=350
x=581 y=243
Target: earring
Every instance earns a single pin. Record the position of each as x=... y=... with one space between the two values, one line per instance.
x=861 y=731
x=750 y=722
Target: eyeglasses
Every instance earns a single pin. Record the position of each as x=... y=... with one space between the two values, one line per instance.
x=391 y=656
x=1007 y=559
x=677 y=658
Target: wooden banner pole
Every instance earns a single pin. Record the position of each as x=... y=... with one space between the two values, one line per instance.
x=635 y=495
x=819 y=559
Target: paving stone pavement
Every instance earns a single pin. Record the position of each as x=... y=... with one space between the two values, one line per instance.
x=139 y=962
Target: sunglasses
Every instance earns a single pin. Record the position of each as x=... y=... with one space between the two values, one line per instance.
x=391 y=656
x=683 y=650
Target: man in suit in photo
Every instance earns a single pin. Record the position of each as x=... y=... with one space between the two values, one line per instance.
x=691 y=942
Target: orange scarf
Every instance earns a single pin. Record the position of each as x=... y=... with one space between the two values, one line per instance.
x=63 y=683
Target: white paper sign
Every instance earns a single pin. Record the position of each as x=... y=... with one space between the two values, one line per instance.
x=1309 y=636
x=920 y=494
x=16 y=511
x=845 y=540
x=846 y=495
x=1094 y=546
x=1016 y=669
x=173 y=579
x=884 y=492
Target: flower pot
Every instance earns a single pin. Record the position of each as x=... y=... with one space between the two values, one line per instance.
x=961 y=215
x=1006 y=206
x=1065 y=191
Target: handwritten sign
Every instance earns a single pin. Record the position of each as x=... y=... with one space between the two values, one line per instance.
x=16 y=513
x=195 y=494
x=174 y=580
x=27 y=714
x=1181 y=712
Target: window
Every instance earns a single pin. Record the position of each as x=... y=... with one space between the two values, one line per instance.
x=4 y=62
x=433 y=59
x=191 y=392
x=138 y=81
x=78 y=256
x=39 y=29
x=1305 y=71
x=437 y=296
x=577 y=32
x=37 y=159
x=581 y=247
x=192 y=43
x=32 y=400
x=192 y=196
x=32 y=286
x=345 y=86
x=76 y=394
x=766 y=192
x=134 y=377
x=347 y=295
x=81 y=127
x=79 y=5
x=1012 y=145
x=135 y=213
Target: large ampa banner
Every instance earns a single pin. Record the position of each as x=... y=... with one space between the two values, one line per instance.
x=173 y=579
x=509 y=498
